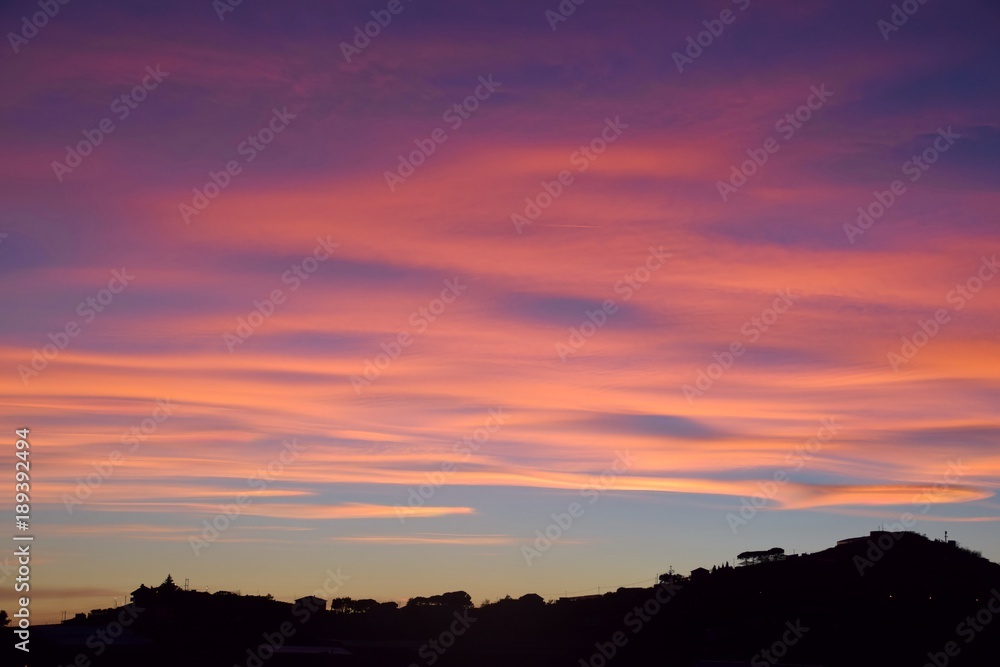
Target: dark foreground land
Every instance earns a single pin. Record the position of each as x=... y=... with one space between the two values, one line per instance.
x=892 y=599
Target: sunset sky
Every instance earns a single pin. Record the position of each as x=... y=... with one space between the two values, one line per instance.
x=255 y=281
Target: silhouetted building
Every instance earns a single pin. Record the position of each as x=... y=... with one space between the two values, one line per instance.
x=142 y=595
x=312 y=602
x=699 y=574
x=874 y=535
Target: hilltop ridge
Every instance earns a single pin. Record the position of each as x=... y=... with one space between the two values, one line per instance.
x=886 y=598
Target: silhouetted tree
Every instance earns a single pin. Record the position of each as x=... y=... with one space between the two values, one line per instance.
x=168 y=585
x=775 y=553
x=456 y=599
x=451 y=599
x=341 y=605
x=362 y=606
x=4 y=619
x=753 y=557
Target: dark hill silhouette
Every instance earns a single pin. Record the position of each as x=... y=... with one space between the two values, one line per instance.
x=885 y=599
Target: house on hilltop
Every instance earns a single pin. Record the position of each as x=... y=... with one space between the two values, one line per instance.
x=700 y=574
x=311 y=602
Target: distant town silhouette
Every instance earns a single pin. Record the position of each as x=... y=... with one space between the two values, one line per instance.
x=881 y=599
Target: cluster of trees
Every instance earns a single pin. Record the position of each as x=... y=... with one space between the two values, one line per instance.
x=526 y=600
x=754 y=557
x=456 y=599
x=352 y=606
